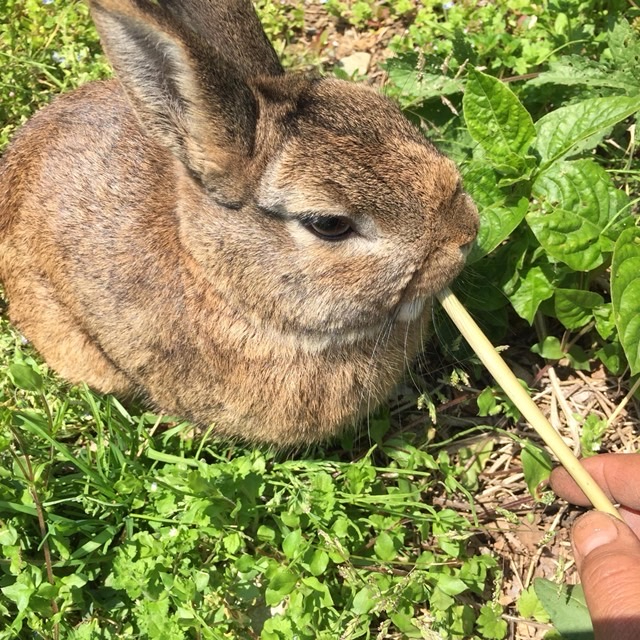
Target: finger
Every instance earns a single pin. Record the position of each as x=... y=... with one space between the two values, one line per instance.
x=607 y=555
x=617 y=473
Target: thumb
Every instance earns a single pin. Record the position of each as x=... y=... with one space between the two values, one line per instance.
x=607 y=554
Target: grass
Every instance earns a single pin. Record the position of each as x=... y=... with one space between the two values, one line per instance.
x=117 y=523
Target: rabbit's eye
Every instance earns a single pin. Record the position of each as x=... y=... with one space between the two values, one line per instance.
x=330 y=227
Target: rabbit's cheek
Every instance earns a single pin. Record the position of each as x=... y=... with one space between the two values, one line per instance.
x=411 y=311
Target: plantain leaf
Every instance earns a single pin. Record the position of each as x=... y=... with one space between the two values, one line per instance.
x=566 y=607
x=625 y=294
x=497 y=120
x=578 y=211
x=577 y=127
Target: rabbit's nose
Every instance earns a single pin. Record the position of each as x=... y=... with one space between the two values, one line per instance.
x=464 y=221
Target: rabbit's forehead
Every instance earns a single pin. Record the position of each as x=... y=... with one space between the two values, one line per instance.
x=344 y=176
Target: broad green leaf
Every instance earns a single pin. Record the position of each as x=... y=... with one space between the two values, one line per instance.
x=497 y=120
x=577 y=207
x=529 y=606
x=496 y=224
x=490 y=621
x=8 y=535
x=451 y=585
x=498 y=218
x=550 y=349
x=364 y=600
x=625 y=294
x=536 y=466
x=415 y=86
x=574 y=307
x=25 y=377
x=384 y=547
x=613 y=357
x=319 y=562
x=578 y=70
x=605 y=322
x=20 y=592
x=481 y=183
x=292 y=545
x=566 y=607
x=580 y=126
x=533 y=287
x=624 y=46
x=282 y=583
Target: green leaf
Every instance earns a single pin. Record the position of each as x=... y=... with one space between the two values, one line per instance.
x=364 y=600
x=566 y=607
x=624 y=46
x=593 y=429
x=605 y=323
x=499 y=123
x=384 y=547
x=451 y=585
x=20 y=593
x=578 y=204
x=536 y=466
x=319 y=562
x=497 y=218
x=613 y=357
x=8 y=535
x=550 y=349
x=281 y=584
x=416 y=86
x=25 y=377
x=292 y=544
x=529 y=606
x=580 y=126
x=533 y=287
x=625 y=294
x=490 y=621
x=578 y=70
x=574 y=307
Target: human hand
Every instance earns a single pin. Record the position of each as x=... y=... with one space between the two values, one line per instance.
x=606 y=550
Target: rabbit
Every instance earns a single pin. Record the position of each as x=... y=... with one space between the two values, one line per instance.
x=235 y=245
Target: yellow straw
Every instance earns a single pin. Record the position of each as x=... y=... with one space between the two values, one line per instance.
x=512 y=387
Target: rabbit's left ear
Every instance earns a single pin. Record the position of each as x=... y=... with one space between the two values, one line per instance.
x=186 y=66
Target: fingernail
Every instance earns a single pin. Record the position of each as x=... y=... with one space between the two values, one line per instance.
x=591 y=531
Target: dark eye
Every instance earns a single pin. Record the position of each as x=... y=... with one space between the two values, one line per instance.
x=330 y=227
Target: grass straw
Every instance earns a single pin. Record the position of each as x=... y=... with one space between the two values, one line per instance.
x=512 y=387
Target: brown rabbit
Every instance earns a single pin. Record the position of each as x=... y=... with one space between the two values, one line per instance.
x=240 y=246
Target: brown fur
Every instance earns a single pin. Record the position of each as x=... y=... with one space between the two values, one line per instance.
x=152 y=236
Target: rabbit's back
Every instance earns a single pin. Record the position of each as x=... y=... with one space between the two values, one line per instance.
x=86 y=213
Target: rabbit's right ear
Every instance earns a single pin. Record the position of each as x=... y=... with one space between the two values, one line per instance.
x=186 y=66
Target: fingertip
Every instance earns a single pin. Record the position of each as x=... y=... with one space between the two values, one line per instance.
x=592 y=531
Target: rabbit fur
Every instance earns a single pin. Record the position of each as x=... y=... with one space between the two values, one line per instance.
x=238 y=245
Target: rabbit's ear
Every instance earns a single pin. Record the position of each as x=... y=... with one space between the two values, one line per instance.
x=186 y=66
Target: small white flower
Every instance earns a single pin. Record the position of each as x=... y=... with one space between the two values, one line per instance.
x=154 y=486
x=173 y=532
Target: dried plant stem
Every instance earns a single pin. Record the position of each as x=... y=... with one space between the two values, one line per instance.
x=614 y=416
x=512 y=387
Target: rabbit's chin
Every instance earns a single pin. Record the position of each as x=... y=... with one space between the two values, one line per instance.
x=412 y=310
x=407 y=317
